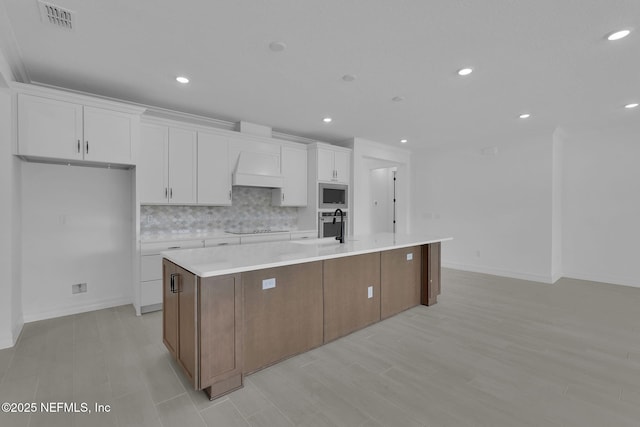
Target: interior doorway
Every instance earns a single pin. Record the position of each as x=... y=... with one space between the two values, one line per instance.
x=383 y=199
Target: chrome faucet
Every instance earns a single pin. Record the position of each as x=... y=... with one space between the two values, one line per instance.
x=341 y=236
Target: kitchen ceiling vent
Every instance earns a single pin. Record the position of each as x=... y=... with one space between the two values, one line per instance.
x=58 y=16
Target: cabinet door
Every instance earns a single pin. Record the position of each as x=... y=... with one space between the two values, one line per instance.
x=107 y=136
x=169 y=308
x=221 y=314
x=399 y=280
x=326 y=171
x=49 y=128
x=214 y=178
x=185 y=283
x=152 y=170
x=294 y=171
x=182 y=166
x=341 y=166
x=347 y=304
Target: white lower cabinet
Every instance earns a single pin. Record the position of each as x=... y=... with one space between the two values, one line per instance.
x=151 y=271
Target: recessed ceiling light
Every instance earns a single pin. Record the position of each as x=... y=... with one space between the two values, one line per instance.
x=524 y=116
x=618 y=35
x=348 y=77
x=632 y=105
x=465 y=71
x=277 y=46
x=182 y=79
x=404 y=141
x=327 y=120
x=397 y=98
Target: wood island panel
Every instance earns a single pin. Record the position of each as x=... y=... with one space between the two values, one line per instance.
x=430 y=273
x=346 y=304
x=187 y=324
x=282 y=321
x=169 y=310
x=399 y=280
x=220 y=333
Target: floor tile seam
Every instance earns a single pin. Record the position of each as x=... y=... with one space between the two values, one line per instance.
x=246 y=420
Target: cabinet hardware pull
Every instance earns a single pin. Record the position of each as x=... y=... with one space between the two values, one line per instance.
x=173 y=247
x=171 y=193
x=173 y=283
x=78 y=146
x=87 y=146
x=229 y=194
x=166 y=192
x=283 y=197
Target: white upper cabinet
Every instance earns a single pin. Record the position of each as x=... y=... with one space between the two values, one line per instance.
x=294 y=172
x=333 y=165
x=167 y=165
x=153 y=165
x=107 y=135
x=214 y=176
x=57 y=129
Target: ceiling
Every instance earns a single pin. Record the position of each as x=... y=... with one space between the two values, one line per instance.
x=546 y=57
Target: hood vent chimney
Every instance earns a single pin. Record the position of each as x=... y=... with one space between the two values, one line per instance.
x=56 y=15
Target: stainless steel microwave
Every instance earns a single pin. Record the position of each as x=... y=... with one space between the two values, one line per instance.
x=333 y=196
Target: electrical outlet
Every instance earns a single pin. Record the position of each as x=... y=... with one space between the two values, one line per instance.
x=268 y=283
x=79 y=288
x=410 y=256
x=370 y=292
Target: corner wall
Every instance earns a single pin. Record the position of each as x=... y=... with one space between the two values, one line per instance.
x=601 y=205
x=368 y=155
x=10 y=286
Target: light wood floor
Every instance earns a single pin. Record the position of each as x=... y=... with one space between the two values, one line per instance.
x=493 y=352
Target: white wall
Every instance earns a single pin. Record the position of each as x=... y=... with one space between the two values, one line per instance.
x=10 y=303
x=77 y=227
x=368 y=155
x=601 y=205
x=497 y=207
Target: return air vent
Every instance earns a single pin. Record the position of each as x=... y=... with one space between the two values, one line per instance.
x=58 y=16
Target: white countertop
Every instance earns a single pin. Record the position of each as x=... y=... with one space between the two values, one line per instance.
x=217 y=261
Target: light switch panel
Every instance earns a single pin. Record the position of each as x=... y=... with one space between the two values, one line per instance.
x=409 y=256
x=370 y=292
x=268 y=283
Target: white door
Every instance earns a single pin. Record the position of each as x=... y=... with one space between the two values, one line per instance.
x=182 y=166
x=107 y=136
x=152 y=171
x=382 y=200
x=49 y=128
x=214 y=177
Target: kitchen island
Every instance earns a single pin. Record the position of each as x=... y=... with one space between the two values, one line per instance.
x=230 y=311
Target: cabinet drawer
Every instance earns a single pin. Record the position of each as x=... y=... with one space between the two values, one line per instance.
x=264 y=238
x=150 y=267
x=151 y=292
x=156 y=248
x=222 y=241
x=297 y=235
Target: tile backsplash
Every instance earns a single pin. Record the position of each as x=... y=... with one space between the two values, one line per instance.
x=251 y=209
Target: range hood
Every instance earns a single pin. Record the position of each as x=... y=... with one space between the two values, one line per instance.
x=255 y=169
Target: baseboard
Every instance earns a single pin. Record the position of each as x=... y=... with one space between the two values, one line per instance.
x=67 y=311
x=498 y=272
x=9 y=342
x=622 y=281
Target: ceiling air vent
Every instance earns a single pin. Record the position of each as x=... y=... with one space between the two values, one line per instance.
x=56 y=15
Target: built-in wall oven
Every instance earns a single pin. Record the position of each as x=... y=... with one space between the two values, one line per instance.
x=329 y=224
x=332 y=196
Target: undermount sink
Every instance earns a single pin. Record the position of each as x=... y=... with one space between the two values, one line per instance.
x=325 y=241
